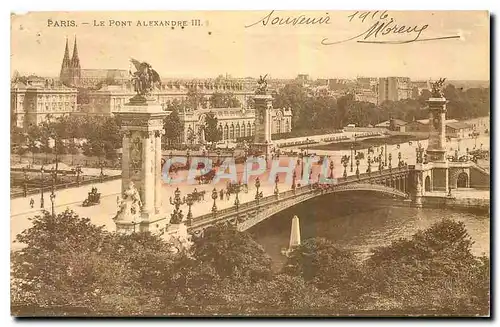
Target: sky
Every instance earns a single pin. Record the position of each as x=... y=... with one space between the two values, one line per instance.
x=224 y=44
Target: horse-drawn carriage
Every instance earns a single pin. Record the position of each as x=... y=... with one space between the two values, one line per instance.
x=232 y=187
x=206 y=178
x=93 y=198
x=198 y=196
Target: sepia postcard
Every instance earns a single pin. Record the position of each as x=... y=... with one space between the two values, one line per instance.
x=250 y=163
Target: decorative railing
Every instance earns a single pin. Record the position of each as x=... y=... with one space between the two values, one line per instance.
x=265 y=207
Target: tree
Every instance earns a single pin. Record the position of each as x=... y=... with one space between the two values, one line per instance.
x=173 y=127
x=69 y=263
x=212 y=133
x=320 y=262
x=433 y=271
x=232 y=254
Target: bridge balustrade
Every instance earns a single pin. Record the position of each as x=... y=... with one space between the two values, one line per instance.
x=272 y=204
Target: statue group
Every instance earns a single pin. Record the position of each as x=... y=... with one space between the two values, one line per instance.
x=437 y=88
x=129 y=206
x=144 y=78
x=262 y=85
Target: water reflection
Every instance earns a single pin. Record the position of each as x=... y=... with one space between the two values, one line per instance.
x=360 y=224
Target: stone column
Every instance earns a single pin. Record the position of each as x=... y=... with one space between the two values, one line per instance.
x=125 y=161
x=158 y=173
x=148 y=176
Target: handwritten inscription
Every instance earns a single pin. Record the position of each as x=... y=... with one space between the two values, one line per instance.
x=272 y=19
x=382 y=24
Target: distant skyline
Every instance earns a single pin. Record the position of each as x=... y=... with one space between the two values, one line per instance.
x=224 y=45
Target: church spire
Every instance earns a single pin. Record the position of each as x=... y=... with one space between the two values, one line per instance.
x=75 y=53
x=75 y=67
x=65 y=66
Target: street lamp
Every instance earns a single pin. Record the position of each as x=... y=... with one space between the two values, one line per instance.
x=257 y=185
x=176 y=216
x=390 y=161
x=293 y=180
x=352 y=150
x=78 y=172
x=345 y=159
x=54 y=179
x=102 y=173
x=237 y=200
x=214 y=197
x=52 y=200
x=41 y=192
x=385 y=160
x=276 y=180
x=189 y=200
x=25 y=182
x=357 y=168
x=369 y=169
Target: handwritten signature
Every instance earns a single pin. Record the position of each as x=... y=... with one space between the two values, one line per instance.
x=386 y=25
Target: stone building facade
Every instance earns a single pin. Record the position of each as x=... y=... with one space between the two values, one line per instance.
x=232 y=122
x=33 y=101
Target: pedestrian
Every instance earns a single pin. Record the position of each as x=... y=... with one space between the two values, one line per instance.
x=221 y=193
x=227 y=195
x=32 y=203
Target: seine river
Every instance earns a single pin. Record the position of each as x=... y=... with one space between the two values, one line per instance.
x=360 y=223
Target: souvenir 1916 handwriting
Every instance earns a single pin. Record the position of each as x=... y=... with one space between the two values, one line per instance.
x=381 y=24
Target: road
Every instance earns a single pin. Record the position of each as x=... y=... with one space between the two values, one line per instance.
x=102 y=214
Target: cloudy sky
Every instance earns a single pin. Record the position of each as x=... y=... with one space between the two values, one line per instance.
x=223 y=44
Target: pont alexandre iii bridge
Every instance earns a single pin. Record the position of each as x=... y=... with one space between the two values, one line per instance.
x=394 y=182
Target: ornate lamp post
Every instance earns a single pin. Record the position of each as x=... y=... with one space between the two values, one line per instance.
x=331 y=169
x=390 y=161
x=78 y=172
x=52 y=200
x=237 y=191
x=25 y=182
x=102 y=172
x=302 y=160
x=293 y=180
x=42 y=170
x=214 y=197
x=357 y=168
x=369 y=169
x=257 y=185
x=276 y=180
x=189 y=201
x=344 y=161
x=352 y=150
x=385 y=152
x=176 y=217
x=53 y=174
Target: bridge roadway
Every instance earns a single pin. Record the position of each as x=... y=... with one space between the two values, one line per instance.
x=388 y=181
